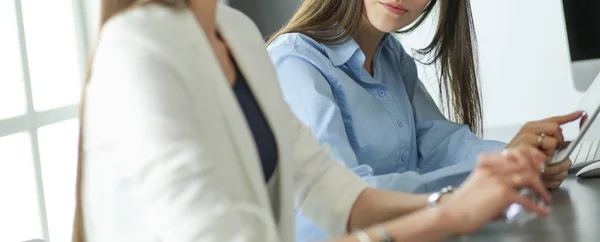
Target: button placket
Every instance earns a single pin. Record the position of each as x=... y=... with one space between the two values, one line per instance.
x=404 y=157
x=400 y=123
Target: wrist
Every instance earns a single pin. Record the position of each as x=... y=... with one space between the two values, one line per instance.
x=445 y=197
x=442 y=221
x=434 y=199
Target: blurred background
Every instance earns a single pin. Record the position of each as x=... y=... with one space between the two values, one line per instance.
x=536 y=57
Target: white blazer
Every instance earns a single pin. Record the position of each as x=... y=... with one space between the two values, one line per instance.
x=168 y=152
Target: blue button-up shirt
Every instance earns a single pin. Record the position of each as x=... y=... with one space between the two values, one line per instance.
x=386 y=128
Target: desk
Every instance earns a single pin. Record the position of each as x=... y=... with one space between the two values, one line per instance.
x=575 y=217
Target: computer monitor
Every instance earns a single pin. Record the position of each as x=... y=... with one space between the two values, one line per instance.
x=583 y=29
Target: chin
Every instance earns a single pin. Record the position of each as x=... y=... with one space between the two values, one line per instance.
x=387 y=27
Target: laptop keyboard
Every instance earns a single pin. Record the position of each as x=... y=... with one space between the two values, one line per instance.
x=586 y=153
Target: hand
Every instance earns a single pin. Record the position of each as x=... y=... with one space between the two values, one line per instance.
x=492 y=187
x=553 y=137
x=555 y=174
x=547 y=131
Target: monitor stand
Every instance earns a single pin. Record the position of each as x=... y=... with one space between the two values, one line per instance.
x=584 y=73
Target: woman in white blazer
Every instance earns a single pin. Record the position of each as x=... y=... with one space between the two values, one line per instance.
x=171 y=147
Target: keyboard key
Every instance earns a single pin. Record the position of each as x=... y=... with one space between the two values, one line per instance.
x=575 y=153
x=597 y=157
x=593 y=150
x=583 y=152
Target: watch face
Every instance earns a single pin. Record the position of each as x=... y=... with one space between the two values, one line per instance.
x=433 y=198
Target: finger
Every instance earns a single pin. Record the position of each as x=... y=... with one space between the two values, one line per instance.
x=557 y=177
x=551 y=185
x=532 y=181
x=558 y=168
x=534 y=158
x=530 y=206
x=515 y=159
x=548 y=144
x=507 y=167
x=584 y=118
x=501 y=163
x=565 y=118
x=547 y=128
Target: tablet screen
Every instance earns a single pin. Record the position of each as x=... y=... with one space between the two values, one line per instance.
x=590 y=104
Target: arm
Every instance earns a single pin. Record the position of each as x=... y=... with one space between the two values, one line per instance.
x=422 y=225
x=183 y=188
x=484 y=196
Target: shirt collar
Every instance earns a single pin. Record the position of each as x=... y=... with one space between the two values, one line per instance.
x=340 y=54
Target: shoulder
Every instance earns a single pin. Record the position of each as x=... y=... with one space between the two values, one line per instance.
x=240 y=30
x=230 y=18
x=299 y=46
x=150 y=25
x=234 y=17
x=152 y=45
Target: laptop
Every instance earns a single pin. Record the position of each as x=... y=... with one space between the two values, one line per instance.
x=585 y=148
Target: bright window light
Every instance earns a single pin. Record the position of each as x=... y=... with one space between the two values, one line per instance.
x=58 y=155
x=19 y=205
x=12 y=87
x=52 y=53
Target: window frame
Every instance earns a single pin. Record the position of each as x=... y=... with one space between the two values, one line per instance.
x=33 y=120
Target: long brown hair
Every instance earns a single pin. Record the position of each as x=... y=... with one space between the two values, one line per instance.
x=109 y=9
x=452 y=48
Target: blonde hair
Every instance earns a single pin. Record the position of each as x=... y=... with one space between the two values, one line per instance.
x=109 y=9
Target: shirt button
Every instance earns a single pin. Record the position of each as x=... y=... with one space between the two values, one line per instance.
x=404 y=157
x=381 y=93
x=400 y=123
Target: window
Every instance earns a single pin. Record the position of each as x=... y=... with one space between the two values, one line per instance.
x=44 y=49
x=11 y=87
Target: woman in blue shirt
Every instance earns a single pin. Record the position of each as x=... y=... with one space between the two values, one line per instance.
x=352 y=82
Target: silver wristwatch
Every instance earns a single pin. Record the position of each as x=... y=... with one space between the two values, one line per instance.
x=433 y=198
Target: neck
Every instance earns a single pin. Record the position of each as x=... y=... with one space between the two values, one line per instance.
x=367 y=38
x=204 y=11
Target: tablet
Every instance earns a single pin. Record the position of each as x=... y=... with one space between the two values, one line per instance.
x=563 y=154
x=590 y=103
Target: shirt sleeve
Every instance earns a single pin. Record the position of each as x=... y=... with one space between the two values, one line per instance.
x=440 y=143
x=306 y=89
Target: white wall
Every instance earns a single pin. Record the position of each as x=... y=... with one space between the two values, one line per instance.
x=524 y=62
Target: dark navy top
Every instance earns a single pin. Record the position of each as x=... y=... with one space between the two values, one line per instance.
x=263 y=136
